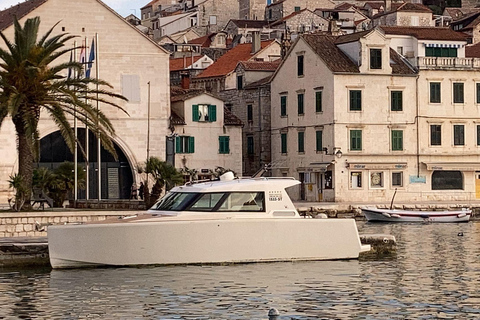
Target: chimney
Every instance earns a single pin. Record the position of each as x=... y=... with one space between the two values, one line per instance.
x=388 y=5
x=256 y=42
x=185 y=82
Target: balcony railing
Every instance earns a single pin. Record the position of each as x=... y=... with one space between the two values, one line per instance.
x=447 y=63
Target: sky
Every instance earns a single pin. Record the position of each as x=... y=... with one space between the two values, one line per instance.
x=123 y=7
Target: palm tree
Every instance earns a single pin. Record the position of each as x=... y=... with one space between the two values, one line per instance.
x=164 y=175
x=30 y=82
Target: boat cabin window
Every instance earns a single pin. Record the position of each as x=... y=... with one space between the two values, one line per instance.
x=243 y=201
x=217 y=201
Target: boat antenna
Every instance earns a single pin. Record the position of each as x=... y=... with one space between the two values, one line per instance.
x=391 y=203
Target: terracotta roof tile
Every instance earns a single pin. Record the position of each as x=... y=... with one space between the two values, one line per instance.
x=375 y=4
x=230 y=119
x=20 y=10
x=228 y=62
x=180 y=94
x=261 y=65
x=204 y=41
x=256 y=84
x=352 y=37
x=250 y=23
x=426 y=33
x=472 y=51
x=182 y=63
x=326 y=48
x=175 y=119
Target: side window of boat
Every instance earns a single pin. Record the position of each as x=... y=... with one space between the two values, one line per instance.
x=244 y=201
x=207 y=202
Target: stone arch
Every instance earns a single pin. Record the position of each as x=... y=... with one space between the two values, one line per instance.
x=117 y=175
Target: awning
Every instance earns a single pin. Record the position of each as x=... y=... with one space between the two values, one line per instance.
x=315 y=167
x=457 y=166
x=442 y=45
x=377 y=165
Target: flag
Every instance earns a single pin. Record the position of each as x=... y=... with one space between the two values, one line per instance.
x=69 y=68
x=90 y=59
x=82 y=56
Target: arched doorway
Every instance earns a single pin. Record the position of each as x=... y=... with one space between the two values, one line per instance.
x=117 y=177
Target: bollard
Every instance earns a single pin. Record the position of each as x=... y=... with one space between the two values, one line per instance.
x=273 y=314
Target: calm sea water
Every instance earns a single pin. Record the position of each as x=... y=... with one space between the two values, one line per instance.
x=434 y=275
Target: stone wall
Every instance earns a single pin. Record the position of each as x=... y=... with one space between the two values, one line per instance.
x=35 y=224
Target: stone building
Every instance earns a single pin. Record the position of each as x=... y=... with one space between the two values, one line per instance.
x=251 y=104
x=213 y=15
x=332 y=120
x=207 y=135
x=282 y=8
x=301 y=21
x=251 y=9
x=405 y=15
x=366 y=122
x=125 y=58
x=221 y=75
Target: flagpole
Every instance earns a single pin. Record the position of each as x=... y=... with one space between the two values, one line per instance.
x=99 y=150
x=75 y=162
x=87 y=149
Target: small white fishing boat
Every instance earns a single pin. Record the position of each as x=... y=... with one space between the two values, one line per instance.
x=394 y=215
x=226 y=221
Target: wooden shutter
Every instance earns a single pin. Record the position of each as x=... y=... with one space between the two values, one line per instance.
x=195 y=113
x=191 y=144
x=212 y=113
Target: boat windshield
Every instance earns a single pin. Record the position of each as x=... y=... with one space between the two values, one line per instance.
x=215 y=201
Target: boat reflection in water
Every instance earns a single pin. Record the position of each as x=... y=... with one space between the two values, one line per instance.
x=231 y=220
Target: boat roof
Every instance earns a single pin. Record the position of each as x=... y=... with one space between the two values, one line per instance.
x=250 y=184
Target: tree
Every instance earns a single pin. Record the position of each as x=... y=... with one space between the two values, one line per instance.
x=163 y=174
x=30 y=82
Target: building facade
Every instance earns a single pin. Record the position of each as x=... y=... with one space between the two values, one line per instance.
x=125 y=59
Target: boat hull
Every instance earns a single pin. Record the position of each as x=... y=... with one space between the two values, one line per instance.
x=384 y=215
x=199 y=242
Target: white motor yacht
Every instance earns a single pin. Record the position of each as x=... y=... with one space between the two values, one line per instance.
x=226 y=221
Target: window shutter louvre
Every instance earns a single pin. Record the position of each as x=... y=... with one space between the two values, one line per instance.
x=191 y=144
x=195 y=114
x=212 y=113
x=177 y=145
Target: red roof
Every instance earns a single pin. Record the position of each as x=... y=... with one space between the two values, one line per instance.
x=228 y=62
x=261 y=65
x=426 y=33
x=19 y=11
x=182 y=63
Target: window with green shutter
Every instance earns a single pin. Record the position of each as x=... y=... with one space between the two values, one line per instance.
x=375 y=58
x=283 y=106
x=355 y=100
x=250 y=145
x=301 y=141
x=318 y=101
x=458 y=92
x=195 y=113
x=319 y=140
x=249 y=112
x=435 y=135
x=435 y=96
x=478 y=92
x=300 y=71
x=459 y=135
x=204 y=113
x=397 y=140
x=283 y=138
x=184 y=144
x=224 y=144
x=396 y=101
x=356 y=140
x=300 y=99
